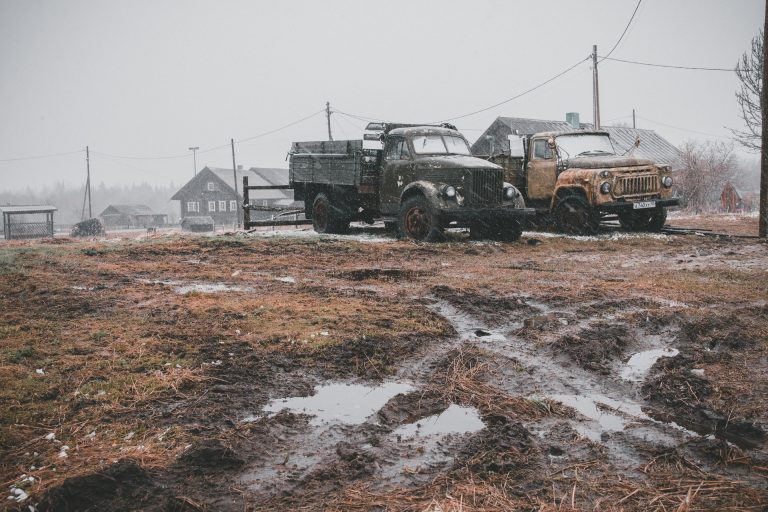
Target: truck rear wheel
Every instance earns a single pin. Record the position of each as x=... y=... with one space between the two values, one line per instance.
x=574 y=216
x=418 y=221
x=326 y=218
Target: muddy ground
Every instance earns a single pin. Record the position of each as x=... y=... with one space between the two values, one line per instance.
x=289 y=371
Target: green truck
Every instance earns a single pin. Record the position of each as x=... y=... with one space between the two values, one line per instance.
x=420 y=179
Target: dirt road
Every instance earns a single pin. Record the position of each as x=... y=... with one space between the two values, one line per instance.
x=297 y=372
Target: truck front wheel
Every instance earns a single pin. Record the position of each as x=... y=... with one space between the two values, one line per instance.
x=574 y=216
x=326 y=218
x=418 y=221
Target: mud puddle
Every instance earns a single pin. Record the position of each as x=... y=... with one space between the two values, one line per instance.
x=638 y=366
x=609 y=409
x=338 y=403
x=454 y=420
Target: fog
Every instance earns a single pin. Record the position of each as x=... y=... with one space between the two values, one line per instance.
x=139 y=82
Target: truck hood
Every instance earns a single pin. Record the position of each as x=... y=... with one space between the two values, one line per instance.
x=605 y=162
x=453 y=162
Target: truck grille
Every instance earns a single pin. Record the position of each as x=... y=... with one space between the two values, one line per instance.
x=637 y=185
x=486 y=187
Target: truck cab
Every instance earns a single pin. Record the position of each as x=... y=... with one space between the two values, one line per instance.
x=578 y=177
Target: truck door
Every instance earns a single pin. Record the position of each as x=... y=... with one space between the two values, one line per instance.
x=541 y=171
x=395 y=173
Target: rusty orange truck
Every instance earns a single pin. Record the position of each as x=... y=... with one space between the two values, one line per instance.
x=578 y=177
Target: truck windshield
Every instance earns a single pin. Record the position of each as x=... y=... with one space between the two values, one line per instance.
x=583 y=145
x=440 y=145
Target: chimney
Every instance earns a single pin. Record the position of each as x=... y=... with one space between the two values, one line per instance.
x=240 y=167
x=572 y=118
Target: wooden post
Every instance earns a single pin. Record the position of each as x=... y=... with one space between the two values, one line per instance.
x=246 y=205
x=234 y=173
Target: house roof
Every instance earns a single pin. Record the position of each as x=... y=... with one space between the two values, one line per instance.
x=257 y=176
x=127 y=209
x=652 y=145
x=30 y=208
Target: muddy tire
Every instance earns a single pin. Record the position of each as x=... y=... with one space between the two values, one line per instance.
x=418 y=221
x=574 y=216
x=642 y=220
x=327 y=218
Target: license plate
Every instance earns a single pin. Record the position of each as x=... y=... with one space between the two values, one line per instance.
x=644 y=204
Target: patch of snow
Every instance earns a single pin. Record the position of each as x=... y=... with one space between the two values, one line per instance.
x=286 y=279
x=40 y=371
x=50 y=437
x=615 y=236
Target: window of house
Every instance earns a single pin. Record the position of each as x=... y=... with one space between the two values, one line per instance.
x=264 y=203
x=193 y=206
x=222 y=206
x=211 y=185
x=211 y=206
x=233 y=206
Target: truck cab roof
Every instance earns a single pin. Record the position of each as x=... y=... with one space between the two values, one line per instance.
x=423 y=130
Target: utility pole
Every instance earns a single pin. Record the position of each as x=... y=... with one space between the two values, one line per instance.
x=234 y=174
x=763 y=226
x=194 y=158
x=88 y=179
x=328 y=116
x=595 y=90
x=633 y=119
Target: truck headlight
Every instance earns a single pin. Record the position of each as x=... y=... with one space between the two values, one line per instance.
x=605 y=188
x=510 y=193
x=667 y=181
x=449 y=191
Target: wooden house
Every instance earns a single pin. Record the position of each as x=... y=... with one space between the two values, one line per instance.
x=212 y=193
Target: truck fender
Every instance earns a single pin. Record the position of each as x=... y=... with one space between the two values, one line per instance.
x=519 y=200
x=569 y=190
x=424 y=188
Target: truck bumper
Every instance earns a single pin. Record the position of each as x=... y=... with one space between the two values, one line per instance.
x=619 y=206
x=466 y=216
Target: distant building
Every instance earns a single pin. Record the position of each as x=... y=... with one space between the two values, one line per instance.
x=212 y=193
x=30 y=221
x=127 y=216
x=733 y=200
x=495 y=140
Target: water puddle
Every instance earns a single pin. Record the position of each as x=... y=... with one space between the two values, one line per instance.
x=609 y=414
x=454 y=420
x=340 y=403
x=639 y=364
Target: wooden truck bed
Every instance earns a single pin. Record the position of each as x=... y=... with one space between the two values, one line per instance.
x=336 y=162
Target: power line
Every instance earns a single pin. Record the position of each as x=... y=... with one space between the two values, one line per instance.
x=731 y=70
x=625 y=29
x=542 y=84
x=42 y=156
x=683 y=129
x=215 y=148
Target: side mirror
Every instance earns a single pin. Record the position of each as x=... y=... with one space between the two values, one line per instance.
x=551 y=143
x=637 y=141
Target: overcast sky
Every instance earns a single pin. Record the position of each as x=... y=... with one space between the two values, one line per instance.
x=152 y=78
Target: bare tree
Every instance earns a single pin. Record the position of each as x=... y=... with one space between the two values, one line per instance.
x=750 y=72
x=706 y=167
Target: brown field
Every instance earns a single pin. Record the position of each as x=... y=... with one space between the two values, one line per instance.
x=617 y=372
